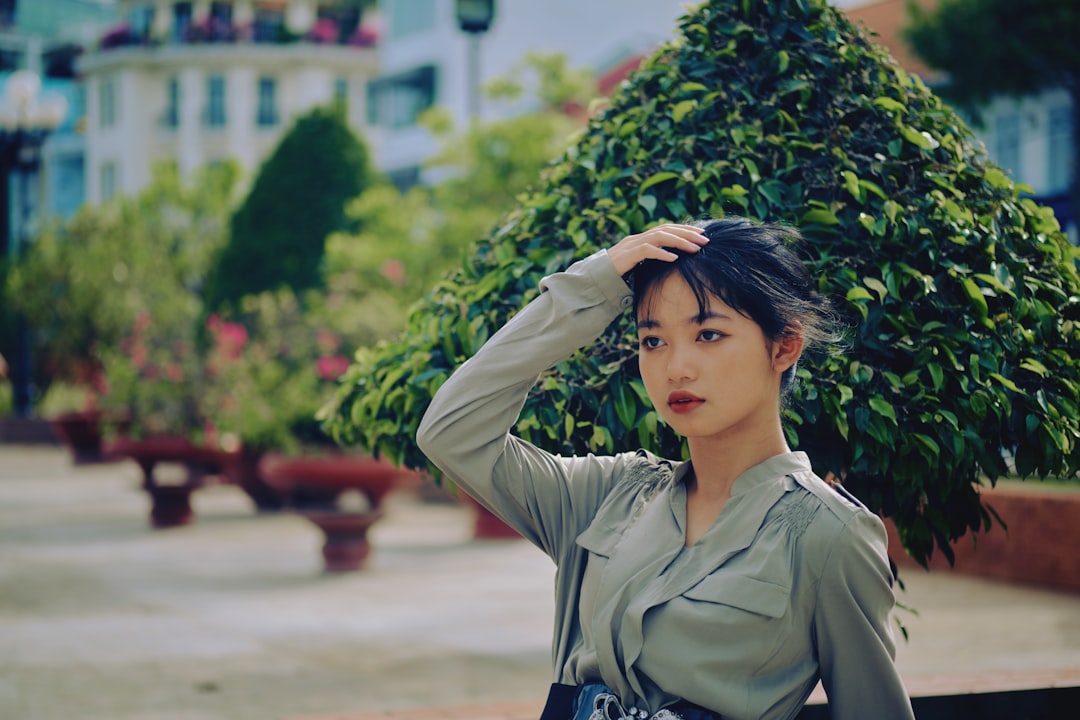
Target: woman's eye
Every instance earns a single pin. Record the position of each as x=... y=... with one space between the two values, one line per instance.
x=651 y=342
x=710 y=335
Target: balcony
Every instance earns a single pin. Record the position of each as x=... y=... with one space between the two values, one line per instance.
x=266 y=28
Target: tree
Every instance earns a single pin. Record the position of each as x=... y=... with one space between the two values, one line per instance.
x=406 y=240
x=991 y=47
x=278 y=234
x=84 y=280
x=963 y=298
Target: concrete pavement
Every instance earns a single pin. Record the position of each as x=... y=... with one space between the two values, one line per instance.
x=232 y=618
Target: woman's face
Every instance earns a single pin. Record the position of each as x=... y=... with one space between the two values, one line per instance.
x=711 y=374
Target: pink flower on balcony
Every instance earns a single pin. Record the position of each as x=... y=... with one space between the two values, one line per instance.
x=174 y=372
x=331 y=367
x=324 y=32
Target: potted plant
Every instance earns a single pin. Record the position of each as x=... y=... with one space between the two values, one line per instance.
x=153 y=373
x=85 y=280
x=155 y=379
x=270 y=369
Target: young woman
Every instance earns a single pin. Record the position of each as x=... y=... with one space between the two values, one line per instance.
x=724 y=586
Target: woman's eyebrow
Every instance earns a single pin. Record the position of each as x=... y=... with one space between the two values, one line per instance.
x=702 y=317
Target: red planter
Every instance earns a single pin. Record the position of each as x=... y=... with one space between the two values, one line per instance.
x=317 y=481
x=242 y=470
x=1039 y=548
x=170 y=502
x=81 y=432
x=346 y=546
x=487 y=525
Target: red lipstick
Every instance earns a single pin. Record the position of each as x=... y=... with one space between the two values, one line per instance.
x=681 y=401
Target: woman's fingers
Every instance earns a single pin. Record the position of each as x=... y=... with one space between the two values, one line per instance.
x=654 y=244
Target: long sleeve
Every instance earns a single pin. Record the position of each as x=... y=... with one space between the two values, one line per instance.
x=851 y=623
x=466 y=429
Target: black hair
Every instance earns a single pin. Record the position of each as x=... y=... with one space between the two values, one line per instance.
x=752 y=268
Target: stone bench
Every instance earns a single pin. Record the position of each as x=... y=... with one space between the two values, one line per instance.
x=1052 y=694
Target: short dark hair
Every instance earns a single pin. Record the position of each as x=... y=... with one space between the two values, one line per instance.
x=753 y=268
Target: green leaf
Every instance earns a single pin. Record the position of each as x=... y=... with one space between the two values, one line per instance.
x=851 y=184
x=1035 y=366
x=890 y=104
x=883 y=408
x=877 y=286
x=656 y=179
x=1006 y=382
x=978 y=300
x=752 y=169
x=915 y=137
x=856 y=294
x=937 y=375
x=681 y=109
x=819 y=216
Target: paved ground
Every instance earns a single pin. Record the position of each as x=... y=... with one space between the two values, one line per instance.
x=232 y=618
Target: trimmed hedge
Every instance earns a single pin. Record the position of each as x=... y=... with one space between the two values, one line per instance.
x=962 y=296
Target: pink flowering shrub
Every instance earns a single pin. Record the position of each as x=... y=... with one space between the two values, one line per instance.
x=271 y=367
x=152 y=380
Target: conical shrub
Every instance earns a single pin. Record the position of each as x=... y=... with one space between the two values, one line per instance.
x=960 y=294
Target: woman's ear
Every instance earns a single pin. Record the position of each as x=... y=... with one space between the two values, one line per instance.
x=788 y=348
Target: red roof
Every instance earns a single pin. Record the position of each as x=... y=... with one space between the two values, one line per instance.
x=886 y=21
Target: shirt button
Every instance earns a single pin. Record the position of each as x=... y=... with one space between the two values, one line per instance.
x=627 y=301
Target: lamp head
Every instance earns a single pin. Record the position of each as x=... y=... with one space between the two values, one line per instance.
x=475 y=16
x=22 y=87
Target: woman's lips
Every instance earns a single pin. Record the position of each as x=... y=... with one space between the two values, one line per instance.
x=681 y=402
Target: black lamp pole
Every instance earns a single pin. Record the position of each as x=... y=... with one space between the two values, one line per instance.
x=474 y=17
x=24 y=127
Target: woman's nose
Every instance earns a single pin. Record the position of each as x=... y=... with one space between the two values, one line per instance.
x=680 y=366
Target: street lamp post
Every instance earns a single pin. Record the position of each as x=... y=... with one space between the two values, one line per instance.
x=474 y=17
x=25 y=123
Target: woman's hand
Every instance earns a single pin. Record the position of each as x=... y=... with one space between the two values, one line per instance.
x=653 y=243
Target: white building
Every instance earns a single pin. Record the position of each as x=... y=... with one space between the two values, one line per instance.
x=201 y=81
x=424 y=58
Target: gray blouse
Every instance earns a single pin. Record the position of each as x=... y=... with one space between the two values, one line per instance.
x=790 y=585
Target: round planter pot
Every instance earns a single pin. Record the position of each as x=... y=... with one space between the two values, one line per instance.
x=315 y=482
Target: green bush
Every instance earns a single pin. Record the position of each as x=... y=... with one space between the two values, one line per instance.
x=963 y=297
x=278 y=234
x=84 y=281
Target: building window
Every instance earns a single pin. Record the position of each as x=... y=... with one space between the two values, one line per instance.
x=1060 y=145
x=267 y=114
x=269 y=25
x=341 y=95
x=171 y=117
x=181 y=27
x=214 y=111
x=397 y=100
x=411 y=16
x=107 y=103
x=108 y=180
x=1007 y=143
